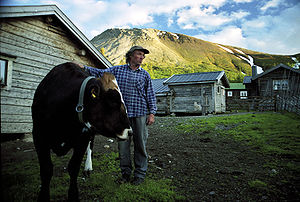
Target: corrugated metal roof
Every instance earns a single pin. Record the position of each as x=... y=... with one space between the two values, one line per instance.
x=159 y=87
x=274 y=68
x=197 y=77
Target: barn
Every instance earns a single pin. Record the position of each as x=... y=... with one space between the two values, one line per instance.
x=34 y=39
x=197 y=92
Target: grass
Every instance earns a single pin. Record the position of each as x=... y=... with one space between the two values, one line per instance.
x=21 y=182
x=271 y=133
x=257 y=184
x=274 y=134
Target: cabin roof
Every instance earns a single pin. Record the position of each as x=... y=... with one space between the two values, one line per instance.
x=274 y=68
x=53 y=10
x=236 y=86
x=159 y=87
x=201 y=77
x=247 y=79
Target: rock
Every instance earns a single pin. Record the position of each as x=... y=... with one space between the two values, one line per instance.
x=273 y=171
x=205 y=140
x=110 y=140
x=212 y=193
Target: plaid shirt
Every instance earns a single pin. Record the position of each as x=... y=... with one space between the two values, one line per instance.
x=136 y=88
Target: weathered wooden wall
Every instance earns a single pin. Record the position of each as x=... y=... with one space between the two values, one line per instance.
x=265 y=83
x=37 y=47
x=220 y=104
x=183 y=97
x=162 y=103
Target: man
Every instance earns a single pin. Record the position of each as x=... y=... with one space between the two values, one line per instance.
x=139 y=97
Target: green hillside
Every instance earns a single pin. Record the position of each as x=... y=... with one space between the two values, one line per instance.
x=172 y=53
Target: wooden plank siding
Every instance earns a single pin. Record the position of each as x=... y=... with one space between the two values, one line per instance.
x=183 y=97
x=266 y=87
x=162 y=103
x=37 y=47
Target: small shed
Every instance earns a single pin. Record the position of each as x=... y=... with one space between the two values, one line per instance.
x=34 y=39
x=162 y=93
x=198 y=92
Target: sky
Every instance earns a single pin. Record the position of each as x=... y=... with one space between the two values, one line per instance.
x=270 y=26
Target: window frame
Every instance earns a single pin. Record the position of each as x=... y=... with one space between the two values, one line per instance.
x=280 y=84
x=4 y=80
x=9 y=67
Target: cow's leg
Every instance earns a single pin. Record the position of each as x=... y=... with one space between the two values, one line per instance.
x=46 y=172
x=88 y=163
x=74 y=167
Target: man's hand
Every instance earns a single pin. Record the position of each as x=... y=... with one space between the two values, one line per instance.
x=150 y=119
x=80 y=65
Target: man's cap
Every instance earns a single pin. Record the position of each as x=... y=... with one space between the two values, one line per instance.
x=140 y=48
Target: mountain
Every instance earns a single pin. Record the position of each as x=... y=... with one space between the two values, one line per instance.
x=172 y=53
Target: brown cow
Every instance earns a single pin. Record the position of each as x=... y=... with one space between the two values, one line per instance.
x=68 y=109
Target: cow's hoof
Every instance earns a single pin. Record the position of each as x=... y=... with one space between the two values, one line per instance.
x=87 y=173
x=43 y=197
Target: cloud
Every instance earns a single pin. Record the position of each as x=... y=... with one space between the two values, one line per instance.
x=242 y=1
x=271 y=4
x=207 y=18
x=275 y=34
x=137 y=13
x=270 y=34
x=228 y=36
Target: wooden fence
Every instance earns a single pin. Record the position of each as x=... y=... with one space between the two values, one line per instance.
x=274 y=103
x=290 y=103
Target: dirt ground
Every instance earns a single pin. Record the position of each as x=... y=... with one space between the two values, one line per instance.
x=202 y=167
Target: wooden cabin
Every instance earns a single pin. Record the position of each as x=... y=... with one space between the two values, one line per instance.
x=278 y=80
x=162 y=93
x=198 y=92
x=236 y=97
x=34 y=39
x=236 y=91
x=279 y=86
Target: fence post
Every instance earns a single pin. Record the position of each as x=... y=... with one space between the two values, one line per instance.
x=275 y=103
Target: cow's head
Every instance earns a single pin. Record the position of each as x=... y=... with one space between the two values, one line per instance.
x=106 y=109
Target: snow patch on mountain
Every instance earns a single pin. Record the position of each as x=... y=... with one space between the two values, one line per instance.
x=226 y=49
x=249 y=59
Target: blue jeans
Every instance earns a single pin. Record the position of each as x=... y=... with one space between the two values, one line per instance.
x=140 y=135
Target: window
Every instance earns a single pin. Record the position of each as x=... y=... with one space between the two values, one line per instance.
x=6 y=66
x=219 y=89
x=281 y=84
x=243 y=93
x=229 y=93
x=3 y=72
